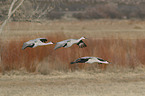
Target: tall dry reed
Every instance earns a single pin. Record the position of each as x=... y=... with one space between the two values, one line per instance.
x=120 y=52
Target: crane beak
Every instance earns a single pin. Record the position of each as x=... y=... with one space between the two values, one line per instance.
x=108 y=63
x=51 y=42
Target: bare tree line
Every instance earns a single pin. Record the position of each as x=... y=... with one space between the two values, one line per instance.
x=32 y=10
x=11 y=12
x=15 y=8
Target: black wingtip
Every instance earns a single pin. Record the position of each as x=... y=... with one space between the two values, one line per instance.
x=109 y=63
x=83 y=46
x=43 y=40
x=72 y=62
x=22 y=48
x=55 y=48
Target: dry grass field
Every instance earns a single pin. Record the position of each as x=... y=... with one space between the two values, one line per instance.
x=47 y=72
x=78 y=83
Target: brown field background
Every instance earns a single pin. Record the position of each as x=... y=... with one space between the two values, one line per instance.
x=42 y=71
x=119 y=42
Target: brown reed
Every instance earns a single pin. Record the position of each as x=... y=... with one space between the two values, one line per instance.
x=120 y=52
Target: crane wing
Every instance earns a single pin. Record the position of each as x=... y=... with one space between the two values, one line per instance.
x=43 y=40
x=80 y=60
x=81 y=44
x=25 y=45
x=61 y=44
x=100 y=59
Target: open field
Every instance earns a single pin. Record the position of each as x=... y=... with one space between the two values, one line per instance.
x=78 y=83
x=127 y=29
x=44 y=72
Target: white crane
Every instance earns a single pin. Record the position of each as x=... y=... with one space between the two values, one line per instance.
x=69 y=42
x=90 y=60
x=36 y=42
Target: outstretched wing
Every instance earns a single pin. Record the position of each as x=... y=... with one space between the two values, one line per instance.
x=100 y=59
x=43 y=40
x=80 y=60
x=61 y=44
x=25 y=45
x=81 y=44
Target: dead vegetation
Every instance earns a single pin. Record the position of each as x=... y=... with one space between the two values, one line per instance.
x=44 y=71
x=120 y=52
x=124 y=47
x=78 y=83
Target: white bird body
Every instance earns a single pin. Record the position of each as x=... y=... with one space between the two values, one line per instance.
x=90 y=60
x=36 y=42
x=69 y=42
